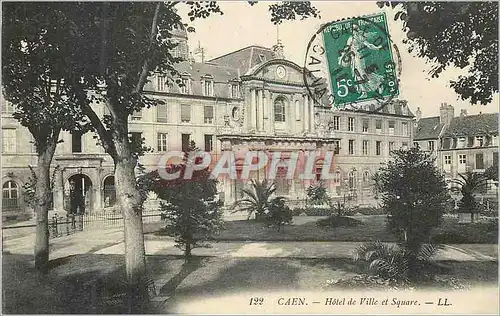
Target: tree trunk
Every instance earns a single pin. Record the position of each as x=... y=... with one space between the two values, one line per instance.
x=187 y=253
x=131 y=205
x=42 y=197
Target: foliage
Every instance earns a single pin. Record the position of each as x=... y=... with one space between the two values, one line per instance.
x=471 y=233
x=317 y=194
x=469 y=184
x=257 y=198
x=278 y=214
x=395 y=262
x=30 y=186
x=191 y=208
x=492 y=172
x=414 y=194
x=455 y=34
x=335 y=220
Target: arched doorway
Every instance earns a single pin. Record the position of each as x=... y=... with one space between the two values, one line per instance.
x=109 y=191
x=80 y=194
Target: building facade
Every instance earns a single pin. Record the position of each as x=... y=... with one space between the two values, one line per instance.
x=249 y=99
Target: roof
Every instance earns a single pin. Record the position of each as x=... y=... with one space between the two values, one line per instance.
x=245 y=58
x=428 y=128
x=471 y=125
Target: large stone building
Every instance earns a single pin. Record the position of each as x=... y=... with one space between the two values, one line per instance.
x=252 y=98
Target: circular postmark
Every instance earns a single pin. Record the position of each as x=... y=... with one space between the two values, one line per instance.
x=353 y=64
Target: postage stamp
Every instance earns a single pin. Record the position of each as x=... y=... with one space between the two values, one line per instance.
x=358 y=60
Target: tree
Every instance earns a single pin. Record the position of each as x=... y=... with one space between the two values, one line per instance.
x=317 y=194
x=455 y=34
x=414 y=195
x=257 y=198
x=191 y=209
x=36 y=79
x=469 y=184
x=113 y=49
x=278 y=214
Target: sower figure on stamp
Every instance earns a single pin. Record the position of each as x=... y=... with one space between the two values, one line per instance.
x=352 y=56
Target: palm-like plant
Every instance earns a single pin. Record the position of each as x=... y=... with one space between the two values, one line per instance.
x=395 y=262
x=468 y=185
x=256 y=199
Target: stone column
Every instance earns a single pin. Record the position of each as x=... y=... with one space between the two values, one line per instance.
x=312 y=117
x=270 y=108
x=59 y=192
x=254 y=110
x=260 y=109
x=306 y=114
x=249 y=112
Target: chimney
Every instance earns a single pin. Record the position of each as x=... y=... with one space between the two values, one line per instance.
x=418 y=114
x=463 y=112
x=446 y=113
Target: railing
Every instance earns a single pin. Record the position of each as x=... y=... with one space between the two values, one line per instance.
x=63 y=226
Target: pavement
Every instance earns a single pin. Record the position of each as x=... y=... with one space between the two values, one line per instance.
x=110 y=241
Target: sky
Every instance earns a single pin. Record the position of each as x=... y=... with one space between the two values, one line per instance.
x=242 y=25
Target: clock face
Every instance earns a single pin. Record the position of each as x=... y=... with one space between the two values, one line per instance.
x=281 y=72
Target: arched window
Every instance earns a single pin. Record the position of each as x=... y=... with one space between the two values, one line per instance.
x=338 y=177
x=10 y=195
x=279 y=110
x=352 y=179
x=366 y=176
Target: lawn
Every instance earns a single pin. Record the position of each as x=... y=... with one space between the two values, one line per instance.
x=372 y=227
x=66 y=287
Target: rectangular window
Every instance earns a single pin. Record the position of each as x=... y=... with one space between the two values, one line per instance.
x=462 y=162
x=447 y=163
x=8 y=107
x=479 y=141
x=336 y=144
x=162 y=142
x=391 y=146
x=479 y=161
x=136 y=138
x=186 y=86
x=350 y=124
x=161 y=83
x=378 y=148
x=161 y=113
x=209 y=143
x=235 y=91
x=446 y=143
x=404 y=145
x=404 y=128
x=76 y=142
x=430 y=145
x=366 y=123
x=185 y=142
x=495 y=160
x=336 y=123
x=378 y=126
x=208 y=88
x=208 y=114
x=365 y=147
x=185 y=113
x=9 y=140
x=391 y=127
x=136 y=115
x=351 y=146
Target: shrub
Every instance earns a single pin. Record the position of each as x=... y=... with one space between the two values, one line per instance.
x=278 y=214
x=257 y=198
x=317 y=194
x=396 y=262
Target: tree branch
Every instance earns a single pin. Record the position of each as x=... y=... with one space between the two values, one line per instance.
x=103 y=133
x=145 y=67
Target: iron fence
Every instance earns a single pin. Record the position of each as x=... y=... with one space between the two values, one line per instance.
x=63 y=226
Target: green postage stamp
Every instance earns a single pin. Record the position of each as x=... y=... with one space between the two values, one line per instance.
x=360 y=61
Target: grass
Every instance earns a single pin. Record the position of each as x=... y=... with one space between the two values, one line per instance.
x=353 y=228
x=65 y=288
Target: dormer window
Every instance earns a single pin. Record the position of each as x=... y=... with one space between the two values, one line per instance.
x=235 y=90
x=479 y=141
x=161 y=83
x=186 y=86
x=262 y=58
x=461 y=142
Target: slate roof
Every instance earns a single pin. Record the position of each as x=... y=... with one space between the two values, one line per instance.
x=245 y=58
x=472 y=125
x=428 y=128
